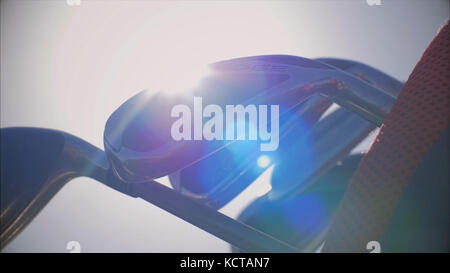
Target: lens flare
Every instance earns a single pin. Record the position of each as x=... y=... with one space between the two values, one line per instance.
x=263 y=161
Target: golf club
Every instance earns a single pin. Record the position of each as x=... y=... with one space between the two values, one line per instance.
x=138 y=145
x=218 y=178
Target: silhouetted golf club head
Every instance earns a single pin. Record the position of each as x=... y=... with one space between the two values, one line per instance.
x=220 y=177
x=302 y=220
x=35 y=164
x=138 y=137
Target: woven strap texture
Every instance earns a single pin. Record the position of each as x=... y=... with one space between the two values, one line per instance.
x=415 y=122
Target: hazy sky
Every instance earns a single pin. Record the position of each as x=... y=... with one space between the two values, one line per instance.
x=69 y=67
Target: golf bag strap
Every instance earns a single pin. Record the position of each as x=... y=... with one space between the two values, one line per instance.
x=416 y=121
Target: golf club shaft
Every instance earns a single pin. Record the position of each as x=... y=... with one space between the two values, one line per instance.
x=234 y=232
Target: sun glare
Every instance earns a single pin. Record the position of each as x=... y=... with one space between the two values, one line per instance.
x=182 y=78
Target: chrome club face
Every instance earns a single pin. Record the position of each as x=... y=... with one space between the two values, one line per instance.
x=137 y=135
x=220 y=177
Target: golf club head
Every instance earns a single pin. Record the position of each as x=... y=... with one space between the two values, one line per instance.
x=302 y=220
x=138 y=138
x=220 y=177
x=333 y=139
x=35 y=164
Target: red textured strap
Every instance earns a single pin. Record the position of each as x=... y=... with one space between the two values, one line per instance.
x=418 y=117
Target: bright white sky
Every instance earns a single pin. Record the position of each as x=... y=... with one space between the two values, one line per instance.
x=69 y=67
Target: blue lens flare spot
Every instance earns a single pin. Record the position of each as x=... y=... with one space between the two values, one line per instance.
x=307 y=213
x=263 y=161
